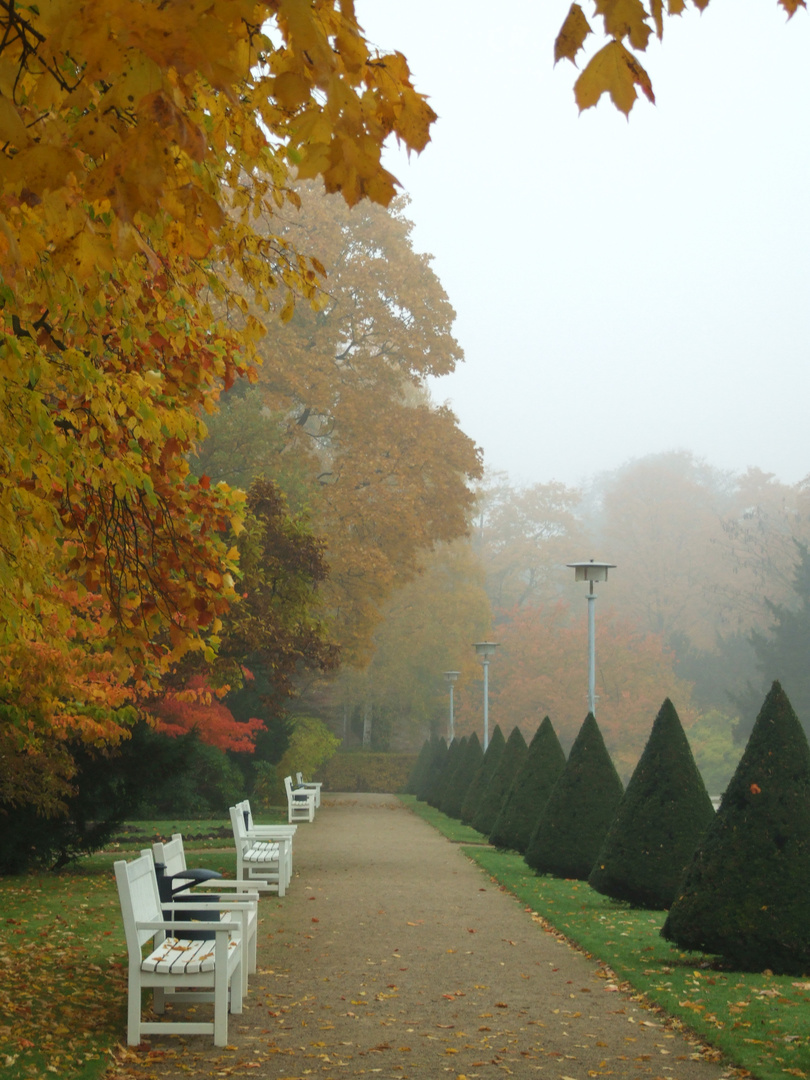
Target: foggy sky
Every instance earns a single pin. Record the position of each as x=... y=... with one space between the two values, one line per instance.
x=622 y=288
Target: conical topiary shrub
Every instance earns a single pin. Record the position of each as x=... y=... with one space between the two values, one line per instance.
x=420 y=768
x=436 y=788
x=482 y=777
x=579 y=811
x=661 y=819
x=530 y=790
x=435 y=766
x=462 y=778
x=746 y=891
x=492 y=799
x=457 y=749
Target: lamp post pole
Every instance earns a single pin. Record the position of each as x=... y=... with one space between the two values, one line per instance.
x=591 y=571
x=486 y=649
x=451 y=677
x=592 y=651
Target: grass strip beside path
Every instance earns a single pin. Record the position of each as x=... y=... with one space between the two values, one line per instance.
x=63 y=962
x=760 y=1021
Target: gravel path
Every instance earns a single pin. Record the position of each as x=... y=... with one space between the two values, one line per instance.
x=393 y=955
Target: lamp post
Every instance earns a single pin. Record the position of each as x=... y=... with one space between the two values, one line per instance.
x=484 y=650
x=451 y=677
x=591 y=571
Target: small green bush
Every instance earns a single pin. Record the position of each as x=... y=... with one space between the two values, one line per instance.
x=432 y=777
x=364 y=771
x=513 y=756
x=660 y=821
x=530 y=790
x=482 y=777
x=457 y=784
x=419 y=770
x=745 y=893
x=441 y=777
x=579 y=811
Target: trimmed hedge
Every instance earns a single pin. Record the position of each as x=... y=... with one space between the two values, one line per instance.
x=661 y=820
x=530 y=790
x=513 y=756
x=365 y=771
x=579 y=811
x=453 y=795
x=489 y=763
x=745 y=893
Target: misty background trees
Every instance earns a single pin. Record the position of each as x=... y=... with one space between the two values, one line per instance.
x=424 y=555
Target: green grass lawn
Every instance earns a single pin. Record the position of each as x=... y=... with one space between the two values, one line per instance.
x=63 y=958
x=760 y=1021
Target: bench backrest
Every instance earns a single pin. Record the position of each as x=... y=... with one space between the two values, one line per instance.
x=139 y=898
x=171 y=854
x=240 y=835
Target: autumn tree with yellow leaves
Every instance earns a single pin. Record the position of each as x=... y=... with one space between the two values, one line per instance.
x=141 y=143
x=615 y=69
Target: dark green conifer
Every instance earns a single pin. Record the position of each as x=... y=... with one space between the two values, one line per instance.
x=420 y=768
x=483 y=775
x=436 y=788
x=435 y=766
x=579 y=811
x=661 y=819
x=462 y=778
x=455 y=759
x=492 y=798
x=745 y=893
x=530 y=790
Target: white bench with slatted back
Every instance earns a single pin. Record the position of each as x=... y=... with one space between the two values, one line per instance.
x=172 y=856
x=300 y=804
x=174 y=967
x=309 y=785
x=276 y=833
x=261 y=863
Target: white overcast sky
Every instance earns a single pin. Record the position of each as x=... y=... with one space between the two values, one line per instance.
x=622 y=288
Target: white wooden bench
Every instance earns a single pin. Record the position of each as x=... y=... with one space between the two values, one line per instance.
x=309 y=785
x=276 y=833
x=183 y=882
x=262 y=863
x=175 y=967
x=300 y=804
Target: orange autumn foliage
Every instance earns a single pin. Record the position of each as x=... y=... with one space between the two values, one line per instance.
x=198 y=707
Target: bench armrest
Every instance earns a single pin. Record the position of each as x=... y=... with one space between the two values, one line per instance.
x=186 y=924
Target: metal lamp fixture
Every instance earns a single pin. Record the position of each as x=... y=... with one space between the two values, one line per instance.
x=591 y=571
x=451 y=677
x=484 y=650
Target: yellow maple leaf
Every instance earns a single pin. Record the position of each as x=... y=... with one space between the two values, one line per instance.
x=625 y=19
x=572 y=35
x=615 y=71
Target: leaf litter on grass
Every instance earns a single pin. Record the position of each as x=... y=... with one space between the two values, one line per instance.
x=757 y=1020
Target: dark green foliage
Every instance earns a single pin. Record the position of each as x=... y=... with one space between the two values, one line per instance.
x=745 y=893
x=439 y=774
x=111 y=785
x=419 y=770
x=782 y=653
x=455 y=755
x=661 y=819
x=528 y=795
x=461 y=779
x=359 y=770
x=434 y=768
x=492 y=799
x=571 y=828
x=483 y=775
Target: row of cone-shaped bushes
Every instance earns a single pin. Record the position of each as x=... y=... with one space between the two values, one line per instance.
x=736 y=882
